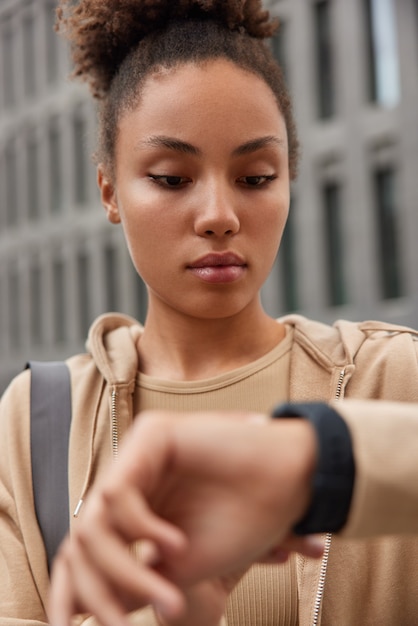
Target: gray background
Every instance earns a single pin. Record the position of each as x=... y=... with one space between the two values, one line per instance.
x=350 y=249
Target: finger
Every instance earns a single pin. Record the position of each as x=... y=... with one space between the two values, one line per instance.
x=96 y=591
x=276 y=556
x=75 y=589
x=127 y=512
x=109 y=559
x=311 y=545
x=61 y=603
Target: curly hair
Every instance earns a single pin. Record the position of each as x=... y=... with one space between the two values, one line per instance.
x=117 y=44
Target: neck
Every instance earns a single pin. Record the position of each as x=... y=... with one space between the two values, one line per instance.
x=178 y=347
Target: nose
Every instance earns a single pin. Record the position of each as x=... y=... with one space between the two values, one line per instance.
x=216 y=213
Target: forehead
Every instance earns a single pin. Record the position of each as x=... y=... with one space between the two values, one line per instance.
x=194 y=100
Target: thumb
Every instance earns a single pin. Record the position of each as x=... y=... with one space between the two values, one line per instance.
x=311 y=546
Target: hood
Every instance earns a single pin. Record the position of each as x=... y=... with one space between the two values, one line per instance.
x=113 y=337
x=112 y=343
x=325 y=358
x=330 y=346
x=339 y=344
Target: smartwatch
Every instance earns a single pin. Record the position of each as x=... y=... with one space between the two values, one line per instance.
x=333 y=480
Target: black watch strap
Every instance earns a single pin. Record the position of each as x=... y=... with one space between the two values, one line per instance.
x=333 y=480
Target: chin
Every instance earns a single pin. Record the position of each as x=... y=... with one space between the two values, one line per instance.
x=225 y=310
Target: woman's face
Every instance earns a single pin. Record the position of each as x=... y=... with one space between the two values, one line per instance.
x=201 y=187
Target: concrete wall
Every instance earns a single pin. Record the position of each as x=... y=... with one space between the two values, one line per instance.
x=65 y=224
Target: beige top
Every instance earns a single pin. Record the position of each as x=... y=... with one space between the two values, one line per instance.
x=371 y=367
x=257 y=386
x=267 y=594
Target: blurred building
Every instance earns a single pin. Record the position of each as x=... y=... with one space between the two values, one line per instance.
x=350 y=247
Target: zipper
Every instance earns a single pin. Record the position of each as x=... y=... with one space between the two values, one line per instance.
x=322 y=576
x=115 y=424
x=115 y=439
x=339 y=385
x=328 y=537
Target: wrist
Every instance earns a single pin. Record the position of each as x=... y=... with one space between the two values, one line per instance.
x=297 y=443
x=333 y=478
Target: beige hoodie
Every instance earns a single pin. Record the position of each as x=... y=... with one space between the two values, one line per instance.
x=368 y=581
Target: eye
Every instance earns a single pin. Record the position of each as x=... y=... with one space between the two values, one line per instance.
x=173 y=182
x=256 y=181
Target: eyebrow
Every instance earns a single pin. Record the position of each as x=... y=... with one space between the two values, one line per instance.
x=258 y=144
x=177 y=145
x=161 y=141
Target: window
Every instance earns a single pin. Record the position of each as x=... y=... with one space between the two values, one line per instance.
x=8 y=60
x=3 y=301
x=29 y=59
x=55 y=173
x=324 y=59
x=383 y=62
x=11 y=184
x=288 y=267
x=111 y=278
x=36 y=299
x=278 y=42
x=141 y=296
x=52 y=67
x=59 y=313
x=14 y=307
x=84 y=295
x=3 y=209
x=32 y=163
x=387 y=228
x=81 y=164
x=334 y=248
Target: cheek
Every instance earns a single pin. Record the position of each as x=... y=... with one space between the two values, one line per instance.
x=150 y=235
x=270 y=238
x=270 y=228
x=281 y=222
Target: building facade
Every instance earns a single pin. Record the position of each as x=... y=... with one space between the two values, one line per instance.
x=350 y=246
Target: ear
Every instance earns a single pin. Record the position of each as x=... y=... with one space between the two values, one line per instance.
x=108 y=196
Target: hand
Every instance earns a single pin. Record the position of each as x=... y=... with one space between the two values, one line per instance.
x=205 y=602
x=205 y=475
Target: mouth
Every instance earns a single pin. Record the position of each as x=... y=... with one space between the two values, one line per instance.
x=225 y=267
x=218 y=260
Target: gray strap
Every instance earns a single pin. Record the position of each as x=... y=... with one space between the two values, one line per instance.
x=50 y=400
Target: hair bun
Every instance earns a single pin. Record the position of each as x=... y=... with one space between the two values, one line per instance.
x=103 y=32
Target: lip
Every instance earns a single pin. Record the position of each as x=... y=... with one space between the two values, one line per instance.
x=218 y=259
x=218 y=268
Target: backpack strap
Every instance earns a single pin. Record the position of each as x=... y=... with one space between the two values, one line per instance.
x=50 y=400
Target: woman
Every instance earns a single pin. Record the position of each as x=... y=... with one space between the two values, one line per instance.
x=197 y=147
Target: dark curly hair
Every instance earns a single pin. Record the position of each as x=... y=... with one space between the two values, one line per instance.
x=117 y=44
